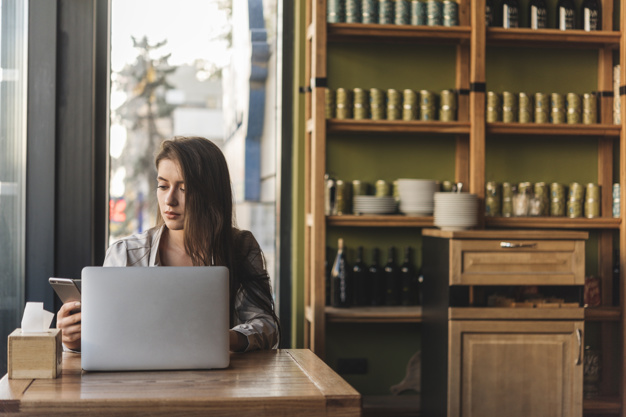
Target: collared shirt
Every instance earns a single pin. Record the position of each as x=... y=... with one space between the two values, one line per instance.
x=251 y=321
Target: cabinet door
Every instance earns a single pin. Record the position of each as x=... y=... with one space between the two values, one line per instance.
x=515 y=368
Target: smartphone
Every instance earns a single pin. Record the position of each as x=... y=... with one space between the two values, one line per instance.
x=67 y=289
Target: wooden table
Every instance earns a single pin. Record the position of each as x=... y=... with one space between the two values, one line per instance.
x=292 y=382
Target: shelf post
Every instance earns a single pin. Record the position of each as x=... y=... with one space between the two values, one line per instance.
x=462 y=169
x=315 y=218
x=605 y=181
x=622 y=180
x=477 y=106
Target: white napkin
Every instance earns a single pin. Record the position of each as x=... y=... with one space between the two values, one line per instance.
x=36 y=319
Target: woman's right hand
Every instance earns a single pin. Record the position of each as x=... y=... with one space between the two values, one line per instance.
x=70 y=324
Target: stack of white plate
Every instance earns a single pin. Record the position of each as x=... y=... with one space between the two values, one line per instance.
x=417 y=196
x=369 y=204
x=455 y=211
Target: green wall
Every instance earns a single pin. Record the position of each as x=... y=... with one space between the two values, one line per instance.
x=373 y=157
x=297 y=253
x=389 y=65
x=369 y=157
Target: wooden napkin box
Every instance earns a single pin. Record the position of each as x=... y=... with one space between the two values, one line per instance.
x=34 y=355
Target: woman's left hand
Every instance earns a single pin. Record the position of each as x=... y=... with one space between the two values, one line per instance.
x=238 y=342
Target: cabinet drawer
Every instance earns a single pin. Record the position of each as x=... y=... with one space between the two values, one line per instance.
x=517 y=262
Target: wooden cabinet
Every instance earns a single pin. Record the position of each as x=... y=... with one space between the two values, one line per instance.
x=473 y=138
x=524 y=361
x=515 y=368
x=522 y=261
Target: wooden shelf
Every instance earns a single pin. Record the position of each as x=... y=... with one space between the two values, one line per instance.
x=553 y=129
x=511 y=313
x=396 y=127
x=406 y=405
x=390 y=220
x=602 y=405
x=552 y=223
x=603 y=313
x=552 y=38
x=383 y=314
x=399 y=220
x=340 y=32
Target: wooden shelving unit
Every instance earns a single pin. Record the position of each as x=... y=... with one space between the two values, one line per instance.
x=354 y=32
x=380 y=221
x=603 y=405
x=593 y=131
x=471 y=40
x=552 y=223
x=603 y=314
x=410 y=314
x=396 y=127
x=553 y=38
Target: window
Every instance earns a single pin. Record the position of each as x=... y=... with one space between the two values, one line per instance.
x=194 y=67
x=13 y=70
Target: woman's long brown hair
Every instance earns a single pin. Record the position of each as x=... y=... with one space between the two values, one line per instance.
x=211 y=237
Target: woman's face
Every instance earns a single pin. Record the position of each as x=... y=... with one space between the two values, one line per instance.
x=171 y=194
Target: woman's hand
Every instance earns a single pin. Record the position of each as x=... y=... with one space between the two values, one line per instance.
x=238 y=342
x=70 y=324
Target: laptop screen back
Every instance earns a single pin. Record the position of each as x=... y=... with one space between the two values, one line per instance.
x=154 y=318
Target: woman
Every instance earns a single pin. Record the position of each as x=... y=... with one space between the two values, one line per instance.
x=195 y=226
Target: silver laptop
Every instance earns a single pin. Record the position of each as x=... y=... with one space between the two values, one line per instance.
x=154 y=318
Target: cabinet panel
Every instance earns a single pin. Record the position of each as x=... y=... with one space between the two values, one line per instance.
x=517 y=262
x=515 y=368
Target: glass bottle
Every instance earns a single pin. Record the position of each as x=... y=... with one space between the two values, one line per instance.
x=376 y=280
x=327 y=271
x=360 y=280
x=419 y=285
x=616 y=280
x=340 y=283
x=591 y=15
x=510 y=14
x=565 y=15
x=538 y=14
x=392 y=281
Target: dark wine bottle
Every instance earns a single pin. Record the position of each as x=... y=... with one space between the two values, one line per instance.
x=392 y=280
x=591 y=15
x=538 y=14
x=616 y=280
x=419 y=284
x=490 y=12
x=360 y=280
x=377 y=295
x=340 y=281
x=408 y=278
x=327 y=270
x=565 y=15
x=510 y=14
